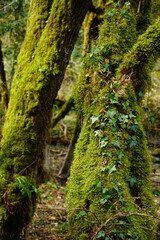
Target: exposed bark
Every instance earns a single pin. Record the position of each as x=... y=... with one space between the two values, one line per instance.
x=41 y=65
x=5 y=97
x=65 y=169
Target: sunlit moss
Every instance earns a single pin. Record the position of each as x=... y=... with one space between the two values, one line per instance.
x=109 y=190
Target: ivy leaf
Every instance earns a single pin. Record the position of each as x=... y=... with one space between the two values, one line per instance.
x=121 y=235
x=127 y=3
x=131 y=115
x=111 y=169
x=133 y=141
x=103 y=143
x=106 y=193
x=102 y=124
x=103 y=201
x=116 y=143
x=102 y=169
x=109 y=154
x=94 y=51
x=100 y=234
x=111 y=13
x=152 y=118
x=114 y=129
x=113 y=121
x=94 y=119
x=134 y=127
x=123 y=118
x=105 y=67
x=126 y=104
x=111 y=113
x=93 y=59
x=125 y=14
x=81 y=214
x=120 y=155
x=98 y=184
x=114 y=101
x=132 y=181
x=123 y=125
x=156 y=192
x=113 y=98
x=98 y=133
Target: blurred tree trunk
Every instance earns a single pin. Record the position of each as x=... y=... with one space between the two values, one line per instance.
x=52 y=30
x=4 y=88
x=109 y=190
x=65 y=169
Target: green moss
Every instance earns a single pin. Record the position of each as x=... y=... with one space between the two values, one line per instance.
x=117 y=40
x=91 y=175
x=142 y=56
x=155 y=10
x=109 y=190
x=44 y=55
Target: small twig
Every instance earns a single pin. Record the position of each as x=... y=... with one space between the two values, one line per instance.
x=26 y=167
x=121 y=215
x=5 y=7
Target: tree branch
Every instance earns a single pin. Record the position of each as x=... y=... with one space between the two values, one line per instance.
x=138 y=64
x=65 y=109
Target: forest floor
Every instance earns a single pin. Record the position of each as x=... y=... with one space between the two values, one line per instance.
x=50 y=219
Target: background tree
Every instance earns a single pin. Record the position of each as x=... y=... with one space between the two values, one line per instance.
x=13 y=16
x=109 y=190
x=52 y=30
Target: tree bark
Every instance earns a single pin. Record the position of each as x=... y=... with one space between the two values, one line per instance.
x=41 y=65
x=65 y=169
x=5 y=97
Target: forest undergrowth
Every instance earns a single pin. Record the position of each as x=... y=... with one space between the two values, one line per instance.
x=50 y=219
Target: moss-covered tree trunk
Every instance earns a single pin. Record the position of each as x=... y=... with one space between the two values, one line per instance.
x=52 y=30
x=109 y=190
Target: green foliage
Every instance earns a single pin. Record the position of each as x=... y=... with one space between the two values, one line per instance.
x=26 y=187
x=132 y=181
x=102 y=235
x=94 y=119
x=13 y=15
x=152 y=117
x=132 y=141
x=81 y=214
x=125 y=14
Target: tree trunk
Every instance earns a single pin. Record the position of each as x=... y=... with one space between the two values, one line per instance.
x=109 y=190
x=65 y=169
x=5 y=97
x=41 y=65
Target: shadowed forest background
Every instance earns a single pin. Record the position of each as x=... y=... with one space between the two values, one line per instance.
x=80 y=87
